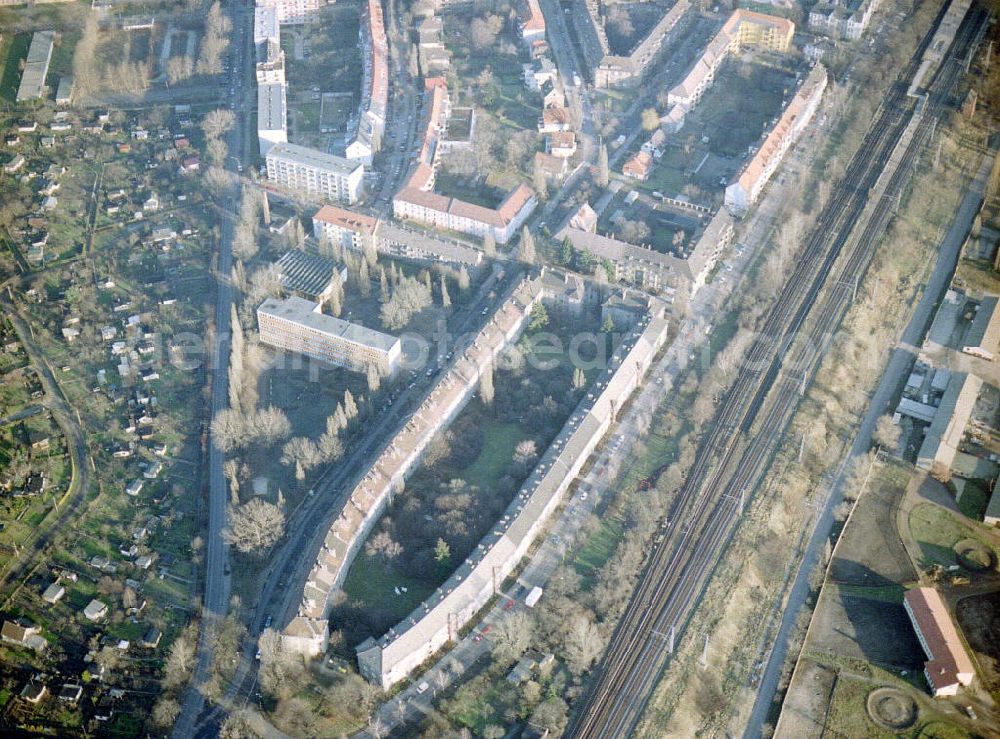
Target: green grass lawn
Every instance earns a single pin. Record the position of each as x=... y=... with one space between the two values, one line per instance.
x=494 y=459
x=14 y=48
x=372 y=583
x=936 y=531
x=598 y=548
x=972 y=502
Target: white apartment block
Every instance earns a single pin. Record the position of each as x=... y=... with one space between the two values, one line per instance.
x=842 y=20
x=272 y=72
x=292 y=11
x=315 y=173
x=298 y=325
x=272 y=127
x=265 y=25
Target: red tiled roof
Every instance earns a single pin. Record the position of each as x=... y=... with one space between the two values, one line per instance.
x=357 y=222
x=949 y=663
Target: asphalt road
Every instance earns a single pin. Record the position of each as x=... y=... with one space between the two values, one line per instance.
x=899 y=366
x=216 y=580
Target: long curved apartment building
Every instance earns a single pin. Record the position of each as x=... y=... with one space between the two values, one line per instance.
x=437 y=620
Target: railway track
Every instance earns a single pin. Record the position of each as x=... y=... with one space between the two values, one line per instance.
x=734 y=455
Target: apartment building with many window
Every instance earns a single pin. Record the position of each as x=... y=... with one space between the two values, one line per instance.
x=417 y=201
x=272 y=127
x=744 y=28
x=315 y=173
x=747 y=185
x=845 y=20
x=299 y=325
x=292 y=11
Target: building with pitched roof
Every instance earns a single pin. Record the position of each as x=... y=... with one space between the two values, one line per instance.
x=389 y=470
x=948 y=665
x=530 y=21
x=612 y=70
x=389 y=659
x=749 y=182
x=351 y=230
x=36 y=66
x=983 y=335
x=638 y=165
x=845 y=19
x=675 y=276
x=744 y=28
x=944 y=435
x=370 y=122
x=417 y=201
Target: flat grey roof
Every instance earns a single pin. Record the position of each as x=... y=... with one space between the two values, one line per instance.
x=301 y=311
x=312 y=158
x=271 y=107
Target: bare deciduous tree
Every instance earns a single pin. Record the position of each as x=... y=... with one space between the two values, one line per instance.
x=255 y=526
x=512 y=637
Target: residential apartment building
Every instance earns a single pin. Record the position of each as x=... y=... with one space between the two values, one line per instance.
x=345 y=228
x=292 y=11
x=298 y=325
x=272 y=126
x=389 y=469
x=315 y=173
x=747 y=185
x=270 y=67
x=417 y=201
x=367 y=138
x=530 y=21
x=266 y=27
x=744 y=28
x=948 y=664
x=675 y=276
x=350 y=230
x=610 y=70
x=389 y=659
x=845 y=20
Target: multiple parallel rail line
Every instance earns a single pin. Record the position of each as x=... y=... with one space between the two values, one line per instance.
x=735 y=453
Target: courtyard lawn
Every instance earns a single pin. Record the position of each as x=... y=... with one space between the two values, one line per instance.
x=372 y=583
x=494 y=459
x=937 y=531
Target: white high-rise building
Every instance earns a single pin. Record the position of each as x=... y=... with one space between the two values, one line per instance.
x=272 y=126
x=312 y=172
x=292 y=11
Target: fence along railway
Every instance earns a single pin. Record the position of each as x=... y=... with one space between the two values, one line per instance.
x=734 y=454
